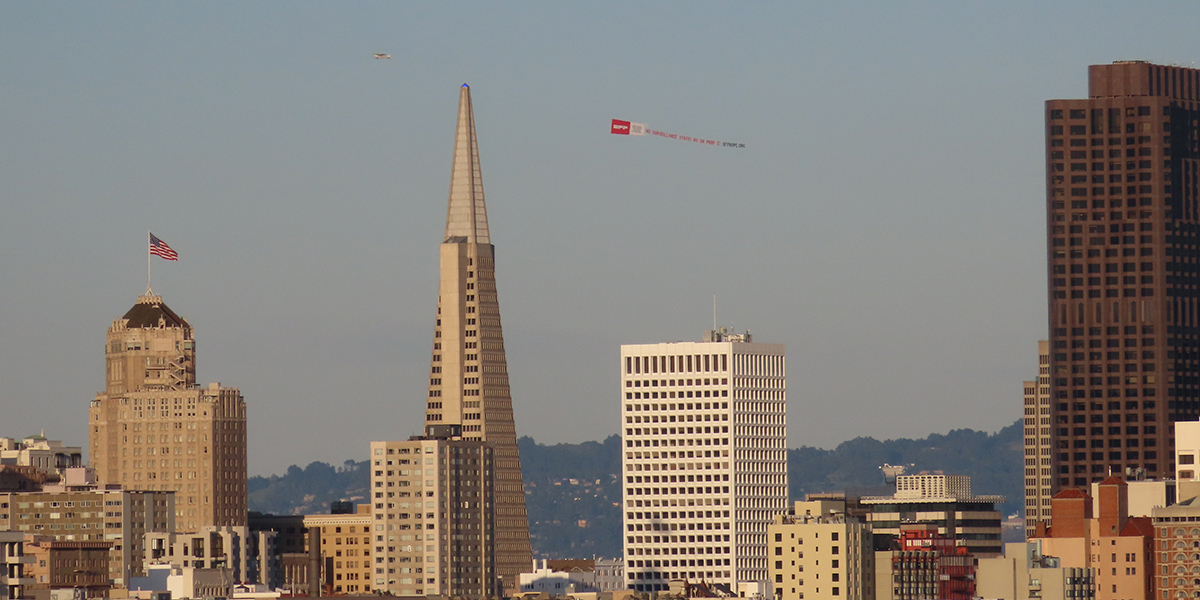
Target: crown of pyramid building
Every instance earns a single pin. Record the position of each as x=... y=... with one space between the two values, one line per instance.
x=466 y=216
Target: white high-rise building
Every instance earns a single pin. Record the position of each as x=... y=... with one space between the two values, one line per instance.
x=705 y=466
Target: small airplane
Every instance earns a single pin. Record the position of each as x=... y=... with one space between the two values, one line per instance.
x=383 y=56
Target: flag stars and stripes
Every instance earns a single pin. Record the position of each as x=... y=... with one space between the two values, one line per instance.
x=160 y=249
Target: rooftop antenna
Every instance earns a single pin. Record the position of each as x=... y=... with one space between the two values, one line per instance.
x=714 y=312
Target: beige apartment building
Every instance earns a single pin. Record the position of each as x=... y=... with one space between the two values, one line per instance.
x=345 y=547
x=121 y=517
x=154 y=428
x=819 y=552
x=434 y=519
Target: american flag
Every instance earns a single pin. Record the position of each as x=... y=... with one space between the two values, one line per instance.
x=160 y=249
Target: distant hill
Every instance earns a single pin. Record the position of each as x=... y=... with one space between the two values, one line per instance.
x=573 y=491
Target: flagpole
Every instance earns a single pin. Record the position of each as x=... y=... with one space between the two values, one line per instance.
x=149 y=289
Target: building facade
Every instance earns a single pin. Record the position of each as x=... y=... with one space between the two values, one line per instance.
x=345 y=541
x=944 y=501
x=154 y=429
x=69 y=565
x=468 y=382
x=817 y=546
x=1176 y=538
x=1122 y=216
x=14 y=565
x=1024 y=573
x=1039 y=453
x=246 y=556
x=1119 y=548
x=704 y=430
x=434 y=517
x=120 y=517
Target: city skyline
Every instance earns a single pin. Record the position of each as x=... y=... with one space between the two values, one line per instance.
x=298 y=179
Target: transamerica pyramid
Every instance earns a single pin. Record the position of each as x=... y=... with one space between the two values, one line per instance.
x=468 y=382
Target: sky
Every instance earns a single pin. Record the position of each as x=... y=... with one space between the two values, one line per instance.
x=884 y=221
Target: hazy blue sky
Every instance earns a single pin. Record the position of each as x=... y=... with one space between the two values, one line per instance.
x=885 y=220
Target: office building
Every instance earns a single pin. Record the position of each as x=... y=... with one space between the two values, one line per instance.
x=925 y=564
x=1121 y=171
x=943 y=501
x=154 y=429
x=816 y=546
x=120 y=517
x=704 y=430
x=434 y=519
x=1039 y=460
x=1118 y=547
x=468 y=383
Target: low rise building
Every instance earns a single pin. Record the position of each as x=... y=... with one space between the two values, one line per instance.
x=566 y=579
x=120 y=517
x=1118 y=547
x=945 y=501
x=183 y=582
x=247 y=556
x=816 y=551
x=14 y=563
x=1024 y=573
x=75 y=565
x=46 y=455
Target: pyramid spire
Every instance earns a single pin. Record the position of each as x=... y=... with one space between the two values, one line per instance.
x=466 y=215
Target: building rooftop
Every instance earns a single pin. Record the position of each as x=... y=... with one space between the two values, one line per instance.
x=150 y=311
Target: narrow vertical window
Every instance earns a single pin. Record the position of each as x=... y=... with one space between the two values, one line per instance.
x=1116 y=312
x=628 y=365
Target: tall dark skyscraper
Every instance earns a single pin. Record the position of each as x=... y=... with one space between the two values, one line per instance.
x=1121 y=223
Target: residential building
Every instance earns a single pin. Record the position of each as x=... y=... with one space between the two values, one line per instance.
x=345 y=542
x=154 y=429
x=704 y=462
x=247 y=556
x=49 y=456
x=1039 y=475
x=185 y=582
x=1024 y=573
x=1122 y=286
x=434 y=521
x=1120 y=548
x=573 y=579
x=14 y=576
x=945 y=501
x=1177 y=537
x=815 y=546
x=468 y=383
x=75 y=565
x=120 y=517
